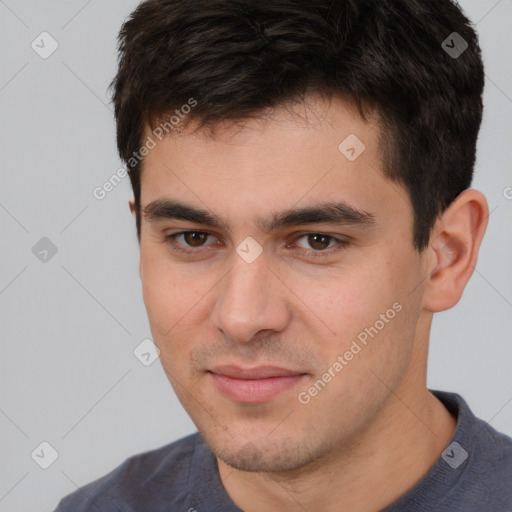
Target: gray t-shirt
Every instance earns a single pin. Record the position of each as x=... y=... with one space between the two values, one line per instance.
x=474 y=474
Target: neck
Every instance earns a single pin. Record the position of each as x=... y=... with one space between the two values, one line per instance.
x=378 y=467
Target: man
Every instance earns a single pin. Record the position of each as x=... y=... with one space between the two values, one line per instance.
x=301 y=176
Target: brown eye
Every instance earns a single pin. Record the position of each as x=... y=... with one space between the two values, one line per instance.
x=319 y=242
x=195 y=238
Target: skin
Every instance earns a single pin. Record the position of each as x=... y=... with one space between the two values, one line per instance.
x=374 y=430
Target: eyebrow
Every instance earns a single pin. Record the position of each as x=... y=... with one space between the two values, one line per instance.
x=339 y=213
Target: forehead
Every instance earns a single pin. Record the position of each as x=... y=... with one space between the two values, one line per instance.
x=319 y=150
x=285 y=122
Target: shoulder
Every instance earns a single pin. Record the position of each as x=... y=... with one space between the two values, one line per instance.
x=492 y=469
x=146 y=479
x=484 y=478
x=485 y=482
x=489 y=451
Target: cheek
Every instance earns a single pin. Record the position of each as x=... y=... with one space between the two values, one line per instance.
x=165 y=292
x=159 y=292
x=347 y=302
x=166 y=307
x=177 y=304
x=365 y=312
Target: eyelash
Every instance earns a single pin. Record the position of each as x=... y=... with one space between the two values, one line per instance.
x=340 y=245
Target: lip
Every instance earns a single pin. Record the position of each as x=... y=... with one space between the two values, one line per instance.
x=254 y=385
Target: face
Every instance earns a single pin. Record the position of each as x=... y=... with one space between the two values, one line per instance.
x=281 y=282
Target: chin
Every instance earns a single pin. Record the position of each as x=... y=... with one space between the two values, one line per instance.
x=264 y=454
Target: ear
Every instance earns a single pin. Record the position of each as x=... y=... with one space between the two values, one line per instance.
x=131 y=204
x=453 y=249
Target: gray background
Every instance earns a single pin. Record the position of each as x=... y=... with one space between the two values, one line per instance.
x=69 y=325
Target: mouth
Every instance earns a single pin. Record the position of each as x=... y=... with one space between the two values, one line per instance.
x=254 y=385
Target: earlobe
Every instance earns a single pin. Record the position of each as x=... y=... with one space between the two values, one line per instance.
x=454 y=246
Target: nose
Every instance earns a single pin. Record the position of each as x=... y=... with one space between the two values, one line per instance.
x=250 y=299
